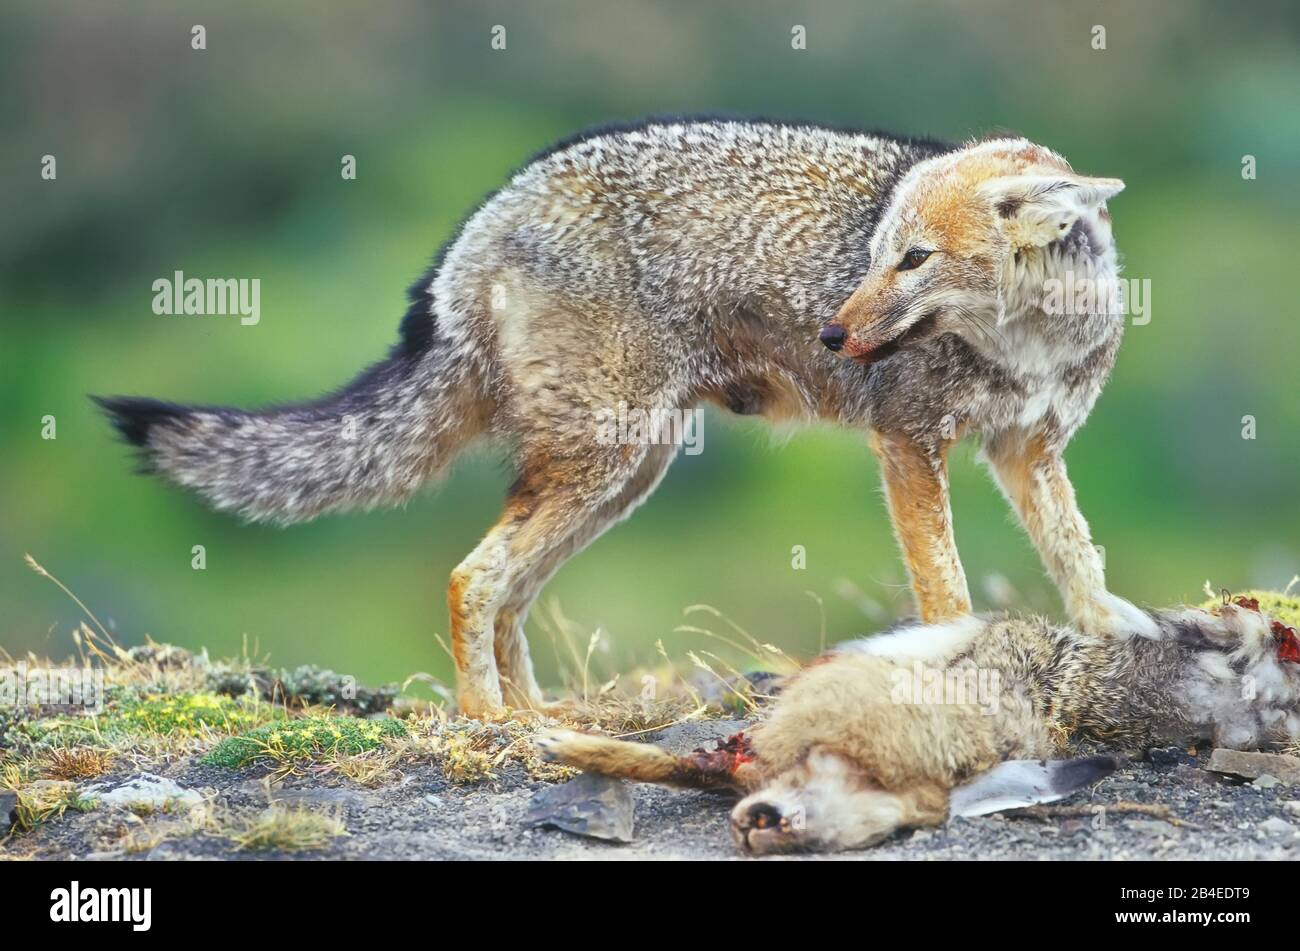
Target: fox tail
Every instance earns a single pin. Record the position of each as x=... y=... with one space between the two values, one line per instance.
x=372 y=442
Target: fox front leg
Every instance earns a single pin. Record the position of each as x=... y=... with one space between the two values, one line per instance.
x=1030 y=470
x=916 y=490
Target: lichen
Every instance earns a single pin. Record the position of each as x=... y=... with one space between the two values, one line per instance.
x=304 y=686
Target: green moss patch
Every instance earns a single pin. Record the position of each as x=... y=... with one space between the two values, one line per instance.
x=180 y=715
x=1284 y=608
x=309 y=738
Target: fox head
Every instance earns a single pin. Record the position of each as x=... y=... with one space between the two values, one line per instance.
x=958 y=242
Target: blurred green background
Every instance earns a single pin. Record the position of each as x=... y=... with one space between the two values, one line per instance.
x=225 y=162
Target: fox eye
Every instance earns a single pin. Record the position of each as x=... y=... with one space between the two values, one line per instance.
x=913 y=259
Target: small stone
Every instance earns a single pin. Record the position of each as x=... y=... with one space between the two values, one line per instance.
x=145 y=791
x=591 y=805
x=1276 y=826
x=8 y=808
x=1292 y=807
x=1286 y=769
x=1266 y=782
x=1194 y=775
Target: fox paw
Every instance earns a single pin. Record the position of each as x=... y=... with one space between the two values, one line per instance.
x=1109 y=615
x=552 y=745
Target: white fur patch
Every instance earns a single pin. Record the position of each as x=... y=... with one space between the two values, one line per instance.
x=919 y=642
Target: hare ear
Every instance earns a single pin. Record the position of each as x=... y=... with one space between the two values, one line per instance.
x=1017 y=783
x=1039 y=209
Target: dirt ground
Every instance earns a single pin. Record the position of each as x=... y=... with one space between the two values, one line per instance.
x=422 y=815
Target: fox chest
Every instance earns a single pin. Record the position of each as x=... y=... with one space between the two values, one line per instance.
x=1025 y=379
x=1035 y=375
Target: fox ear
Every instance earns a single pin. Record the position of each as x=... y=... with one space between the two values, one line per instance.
x=1039 y=209
x=1017 y=783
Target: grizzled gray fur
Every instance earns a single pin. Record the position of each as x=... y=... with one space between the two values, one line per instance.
x=797 y=272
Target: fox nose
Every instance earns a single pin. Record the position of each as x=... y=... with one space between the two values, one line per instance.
x=833 y=335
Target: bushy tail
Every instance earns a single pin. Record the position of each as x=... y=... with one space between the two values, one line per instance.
x=725 y=768
x=375 y=441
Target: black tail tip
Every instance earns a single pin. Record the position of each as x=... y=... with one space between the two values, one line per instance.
x=134 y=416
x=1084 y=771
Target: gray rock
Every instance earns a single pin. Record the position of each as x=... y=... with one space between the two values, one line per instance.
x=591 y=805
x=1292 y=807
x=1277 y=826
x=1286 y=769
x=1194 y=775
x=8 y=808
x=1266 y=781
x=145 y=791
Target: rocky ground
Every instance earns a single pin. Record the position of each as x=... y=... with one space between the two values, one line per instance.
x=422 y=814
x=174 y=755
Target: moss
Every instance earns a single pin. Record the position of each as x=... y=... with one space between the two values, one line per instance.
x=185 y=715
x=1284 y=608
x=193 y=714
x=309 y=738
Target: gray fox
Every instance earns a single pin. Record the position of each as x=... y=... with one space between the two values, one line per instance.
x=770 y=268
x=851 y=752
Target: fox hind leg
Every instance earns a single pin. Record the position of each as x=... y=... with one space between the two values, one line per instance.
x=518 y=685
x=558 y=505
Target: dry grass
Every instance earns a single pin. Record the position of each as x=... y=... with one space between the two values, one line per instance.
x=163 y=666
x=134 y=834
x=371 y=769
x=589 y=675
x=74 y=763
x=285 y=829
x=43 y=800
x=471 y=751
x=707 y=683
